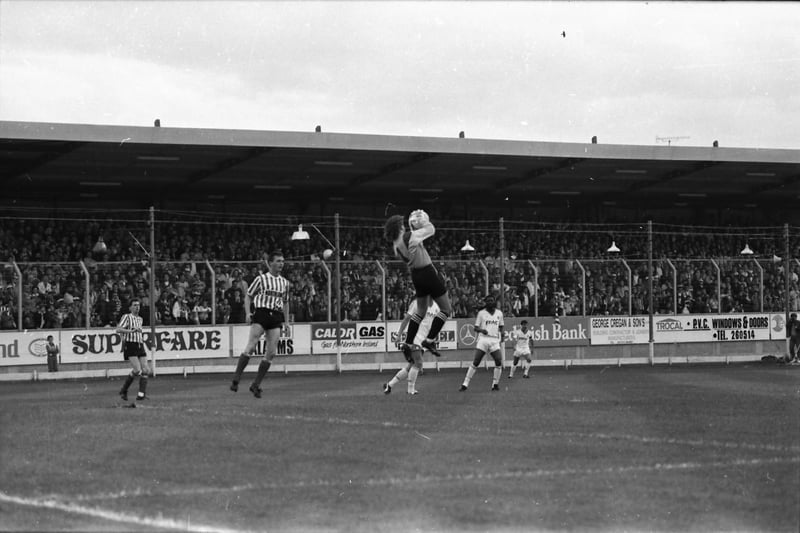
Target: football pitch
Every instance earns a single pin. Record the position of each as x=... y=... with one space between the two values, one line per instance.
x=666 y=448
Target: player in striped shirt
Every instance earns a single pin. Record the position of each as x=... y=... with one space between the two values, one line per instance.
x=269 y=292
x=412 y=350
x=489 y=327
x=523 y=346
x=409 y=246
x=130 y=328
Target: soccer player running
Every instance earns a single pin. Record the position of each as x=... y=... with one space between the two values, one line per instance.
x=270 y=294
x=489 y=327
x=408 y=245
x=130 y=327
x=523 y=346
x=412 y=351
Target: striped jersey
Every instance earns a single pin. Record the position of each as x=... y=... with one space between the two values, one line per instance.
x=269 y=292
x=131 y=321
x=491 y=322
x=427 y=321
x=410 y=249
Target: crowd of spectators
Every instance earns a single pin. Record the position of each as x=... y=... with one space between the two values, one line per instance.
x=56 y=259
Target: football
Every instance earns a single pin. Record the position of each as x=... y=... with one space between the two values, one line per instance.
x=417 y=219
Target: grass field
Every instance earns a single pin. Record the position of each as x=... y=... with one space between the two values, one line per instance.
x=701 y=448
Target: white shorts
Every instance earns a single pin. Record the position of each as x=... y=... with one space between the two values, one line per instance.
x=522 y=353
x=488 y=345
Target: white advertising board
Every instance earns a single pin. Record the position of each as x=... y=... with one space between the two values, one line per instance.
x=105 y=345
x=25 y=347
x=712 y=328
x=355 y=337
x=447 y=336
x=619 y=330
x=295 y=341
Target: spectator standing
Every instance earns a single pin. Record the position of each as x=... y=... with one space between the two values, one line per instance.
x=52 y=355
x=793 y=333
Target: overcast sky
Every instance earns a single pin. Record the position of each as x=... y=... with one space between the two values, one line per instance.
x=627 y=72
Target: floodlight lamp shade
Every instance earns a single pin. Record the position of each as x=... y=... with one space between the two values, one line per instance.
x=746 y=250
x=100 y=246
x=300 y=234
x=467 y=247
x=776 y=259
x=614 y=249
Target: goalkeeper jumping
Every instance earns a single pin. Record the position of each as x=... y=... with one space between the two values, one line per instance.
x=408 y=246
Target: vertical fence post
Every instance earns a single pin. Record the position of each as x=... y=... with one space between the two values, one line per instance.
x=153 y=288
x=760 y=285
x=719 y=283
x=338 y=295
x=383 y=290
x=583 y=287
x=630 y=286
x=86 y=294
x=213 y=292
x=19 y=294
x=651 y=338
x=485 y=277
x=502 y=268
x=535 y=289
x=675 y=291
x=786 y=272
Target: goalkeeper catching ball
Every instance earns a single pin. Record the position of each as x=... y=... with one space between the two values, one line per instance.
x=409 y=246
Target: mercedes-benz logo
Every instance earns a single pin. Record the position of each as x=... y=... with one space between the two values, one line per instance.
x=467 y=334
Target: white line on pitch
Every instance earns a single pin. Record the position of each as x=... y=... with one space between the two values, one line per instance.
x=72 y=508
x=433 y=479
x=558 y=434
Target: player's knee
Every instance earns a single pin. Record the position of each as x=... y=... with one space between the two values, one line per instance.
x=136 y=373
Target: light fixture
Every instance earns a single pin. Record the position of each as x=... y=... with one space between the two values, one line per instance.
x=334 y=163
x=776 y=259
x=489 y=167
x=613 y=249
x=100 y=183
x=467 y=247
x=158 y=158
x=100 y=246
x=746 y=250
x=300 y=234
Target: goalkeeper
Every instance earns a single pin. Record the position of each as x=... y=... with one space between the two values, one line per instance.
x=409 y=246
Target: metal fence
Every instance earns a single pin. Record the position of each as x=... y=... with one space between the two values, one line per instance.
x=66 y=295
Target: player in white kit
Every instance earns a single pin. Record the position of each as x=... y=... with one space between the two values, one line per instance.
x=489 y=327
x=412 y=350
x=523 y=347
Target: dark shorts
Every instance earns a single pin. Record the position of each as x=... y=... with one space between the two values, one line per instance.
x=428 y=282
x=133 y=349
x=267 y=318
